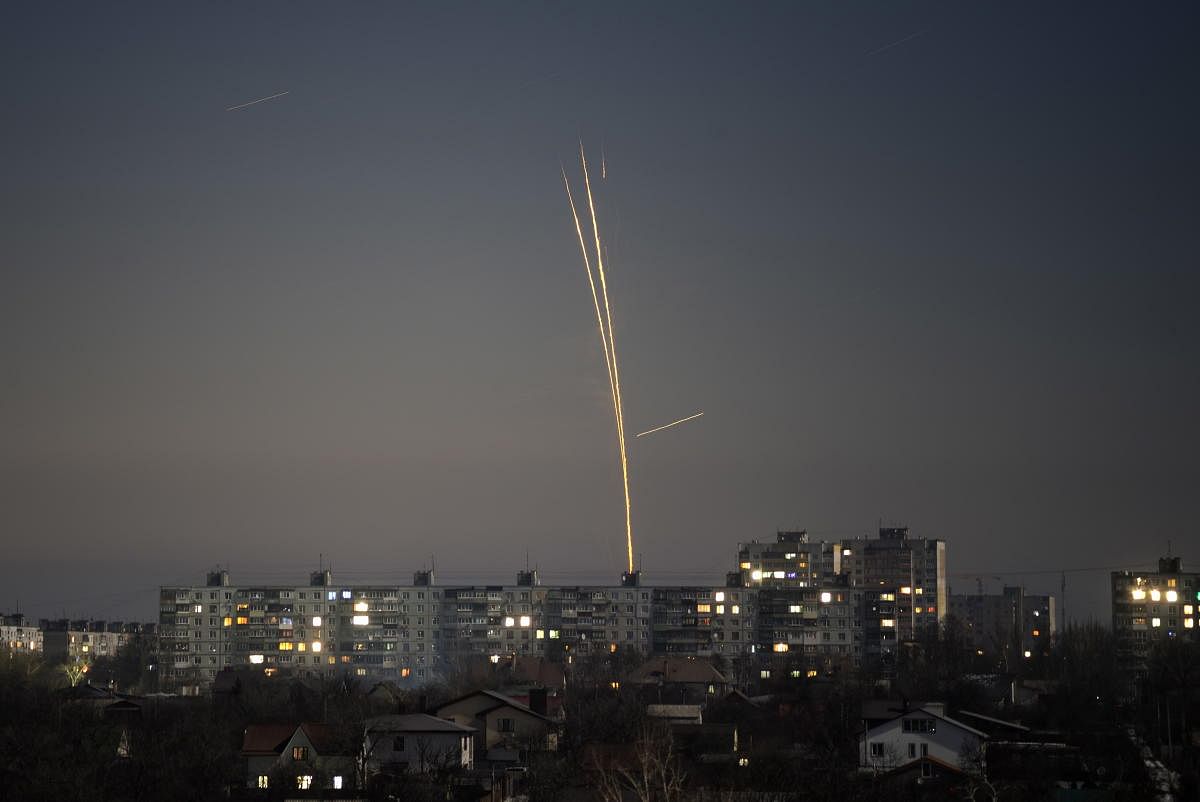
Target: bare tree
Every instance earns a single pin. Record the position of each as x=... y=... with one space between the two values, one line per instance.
x=654 y=774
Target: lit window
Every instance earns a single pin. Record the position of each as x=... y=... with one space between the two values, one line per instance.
x=509 y=621
x=756 y=575
x=264 y=781
x=1155 y=595
x=779 y=574
x=553 y=634
x=337 y=782
x=826 y=597
x=795 y=608
x=1156 y=622
x=256 y=659
x=1187 y=609
x=735 y=609
x=1138 y=594
x=227 y=621
x=345 y=594
x=906 y=590
x=539 y=634
x=1172 y=596
x=316 y=646
x=286 y=646
x=495 y=658
x=781 y=647
x=361 y=607
x=304 y=782
x=331 y=595
x=1037 y=633
x=316 y=621
x=887 y=622
x=720 y=609
x=764 y=673
x=243 y=620
x=812 y=672
x=704 y=608
x=887 y=596
x=1028 y=654
x=301 y=646
x=720 y=596
x=745 y=566
x=360 y=620
x=1188 y=623
x=525 y=620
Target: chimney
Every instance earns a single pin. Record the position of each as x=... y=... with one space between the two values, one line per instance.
x=537 y=700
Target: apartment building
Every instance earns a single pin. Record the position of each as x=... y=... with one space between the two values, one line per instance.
x=703 y=621
x=1150 y=608
x=1010 y=626
x=75 y=640
x=20 y=635
x=913 y=567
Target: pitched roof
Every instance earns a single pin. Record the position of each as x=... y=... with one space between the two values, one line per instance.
x=270 y=739
x=499 y=699
x=415 y=722
x=676 y=669
x=935 y=712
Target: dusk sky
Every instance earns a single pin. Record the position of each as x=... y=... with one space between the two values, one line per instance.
x=930 y=264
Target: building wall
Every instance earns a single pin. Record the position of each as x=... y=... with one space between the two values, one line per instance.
x=1152 y=607
x=946 y=743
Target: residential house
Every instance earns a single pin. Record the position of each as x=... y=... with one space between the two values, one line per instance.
x=501 y=723
x=419 y=743
x=306 y=757
x=923 y=738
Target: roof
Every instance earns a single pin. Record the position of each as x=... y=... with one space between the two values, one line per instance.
x=689 y=670
x=1001 y=722
x=270 y=739
x=674 y=712
x=500 y=700
x=415 y=722
x=935 y=712
x=912 y=764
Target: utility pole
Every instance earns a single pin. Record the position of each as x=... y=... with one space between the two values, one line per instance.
x=1062 y=602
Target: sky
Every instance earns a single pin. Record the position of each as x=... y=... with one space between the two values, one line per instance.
x=923 y=264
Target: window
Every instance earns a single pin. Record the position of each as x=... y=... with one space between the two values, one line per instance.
x=264 y=781
x=304 y=781
x=924 y=750
x=912 y=750
x=337 y=782
x=300 y=753
x=919 y=725
x=506 y=725
x=876 y=749
x=398 y=743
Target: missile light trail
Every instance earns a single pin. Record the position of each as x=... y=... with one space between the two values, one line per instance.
x=605 y=326
x=260 y=100
x=669 y=425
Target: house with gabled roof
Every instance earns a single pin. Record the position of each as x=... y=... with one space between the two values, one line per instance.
x=920 y=739
x=305 y=757
x=417 y=743
x=502 y=723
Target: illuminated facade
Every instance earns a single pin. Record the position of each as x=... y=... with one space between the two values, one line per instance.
x=1153 y=607
x=20 y=636
x=1010 y=626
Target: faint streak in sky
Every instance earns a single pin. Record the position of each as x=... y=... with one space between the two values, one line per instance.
x=669 y=425
x=896 y=43
x=260 y=100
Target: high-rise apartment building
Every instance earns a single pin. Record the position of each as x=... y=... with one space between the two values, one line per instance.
x=1153 y=607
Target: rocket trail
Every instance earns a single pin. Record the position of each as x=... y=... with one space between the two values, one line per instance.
x=669 y=425
x=260 y=100
x=592 y=284
x=604 y=325
x=612 y=347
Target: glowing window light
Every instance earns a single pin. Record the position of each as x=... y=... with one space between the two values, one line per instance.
x=525 y=620
x=1138 y=594
x=256 y=659
x=553 y=634
x=812 y=672
x=316 y=620
x=243 y=620
x=744 y=566
x=1037 y=633
x=1156 y=622
x=1155 y=595
x=720 y=596
x=791 y=555
x=704 y=608
x=539 y=634
x=887 y=622
x=846 y=552
x=1187 y=609
x=779 y=574
x=316 y=646
x=1172 y=596
x=781 y=647
x=826 y=597
x=301 y=646
x=795 y=608
x=337 y=782
x=906 y=590
x=720 y=609
x=1028 y=654
x=756 y=575
x=227 y=621
x=360 y=620
x=345 y=594
x=509 y=621
x=495 y=658
x=1188 y=623
x=735 y=609
x=361 y=607
x=286 y=646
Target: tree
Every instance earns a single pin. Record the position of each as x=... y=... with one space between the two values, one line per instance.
x=654 y=775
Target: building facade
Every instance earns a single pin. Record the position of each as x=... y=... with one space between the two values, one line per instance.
x=1150 y=608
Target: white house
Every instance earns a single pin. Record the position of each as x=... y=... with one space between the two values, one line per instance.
x=417 y=743
x=921 y=737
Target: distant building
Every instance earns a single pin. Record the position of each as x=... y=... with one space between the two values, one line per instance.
x=417 y=743
x=19 y=635
x=303 y=759
x=1009 y=626
x=66 y=640
x=921 y=739
x=1152 y=607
